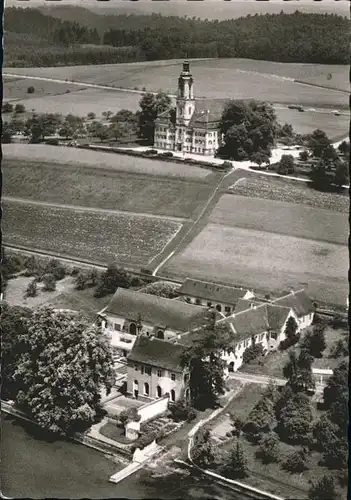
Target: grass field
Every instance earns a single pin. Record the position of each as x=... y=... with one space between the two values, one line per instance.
x=273 y=188
x=265 y=261
x=43 y=153
x=239 y=78
x=99 y=237
x=281 y=217
x=16 y=89
x=105 y=189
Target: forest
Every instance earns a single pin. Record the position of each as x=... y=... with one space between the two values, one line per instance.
x=298 y=37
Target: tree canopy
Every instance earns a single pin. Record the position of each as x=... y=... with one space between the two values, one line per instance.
x=203 y=358
x=64 y=365
x=249 y=128
x=151 y=106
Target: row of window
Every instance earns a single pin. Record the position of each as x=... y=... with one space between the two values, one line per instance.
x=133 y=328
x=227 y=309
x=147 y=371
x=146 y=389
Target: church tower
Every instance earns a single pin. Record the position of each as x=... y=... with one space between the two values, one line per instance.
x=185 y=97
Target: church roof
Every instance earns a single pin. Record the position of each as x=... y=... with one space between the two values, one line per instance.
x=208 y=112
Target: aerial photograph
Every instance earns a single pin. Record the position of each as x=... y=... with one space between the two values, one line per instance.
x=174 y=258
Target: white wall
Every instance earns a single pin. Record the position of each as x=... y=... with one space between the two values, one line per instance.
x=153 y=409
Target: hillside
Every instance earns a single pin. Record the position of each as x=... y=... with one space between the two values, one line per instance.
x=297 y=37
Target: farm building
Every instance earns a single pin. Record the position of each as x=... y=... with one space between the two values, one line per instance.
x=222 y=298
x=130 y=314
x=302 y=305
x=195 y=126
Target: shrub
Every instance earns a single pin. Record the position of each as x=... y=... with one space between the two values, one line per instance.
x=49 y=282
x=55 y=268
x=111 y=279
x=52 y=142
x=314 y=342
x=286 y=165
x=31 y=289
x=324 y=489
x=20 y=108
x=91 y=116
x=181 y=411
x=75 y=271
x=252 y=352
x=296 y=462
x=129 y=415
x=303 y=156
x=339 y=321
x=227 y=164
x=30 y=90
x=7 y=107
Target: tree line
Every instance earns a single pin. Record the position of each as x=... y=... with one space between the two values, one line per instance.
x=298 y=37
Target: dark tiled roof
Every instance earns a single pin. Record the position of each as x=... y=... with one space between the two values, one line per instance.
x=257 y=320
x=299 y=301
x=156 y=352
x=244 y=304
x=208 y=112
x=158 y=311
x=211 y=291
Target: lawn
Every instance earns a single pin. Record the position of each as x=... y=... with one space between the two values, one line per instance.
x=115 y=432
x=242 y=404
x=64 y=297
x=265 y=262
x=129 y=240
x=273 y=188
x=43 y=153
x=281 y=217
x=104 y=188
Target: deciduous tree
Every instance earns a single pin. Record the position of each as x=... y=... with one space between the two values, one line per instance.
x=269 y=448
x=336 y=395
x=296 y=462
x=13 y=329
x=324 y=489
x=295 y=419
x=151 y=106
x=65 y=364
x=204 y=452
x=298 y=371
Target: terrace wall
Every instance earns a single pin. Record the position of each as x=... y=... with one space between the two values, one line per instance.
x=153 y=409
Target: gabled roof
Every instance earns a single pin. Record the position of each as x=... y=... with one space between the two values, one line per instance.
x=211 y=291
x=157 y=311
x=244 y=304
x=257 y=320
x=156 y=352
x=299 y=301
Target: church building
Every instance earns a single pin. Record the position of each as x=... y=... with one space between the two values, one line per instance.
x=195 y=127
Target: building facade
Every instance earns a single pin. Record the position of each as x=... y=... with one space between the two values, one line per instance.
x=219 y=297
x=154 y=369
x=131 y=314
x=194 y=127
